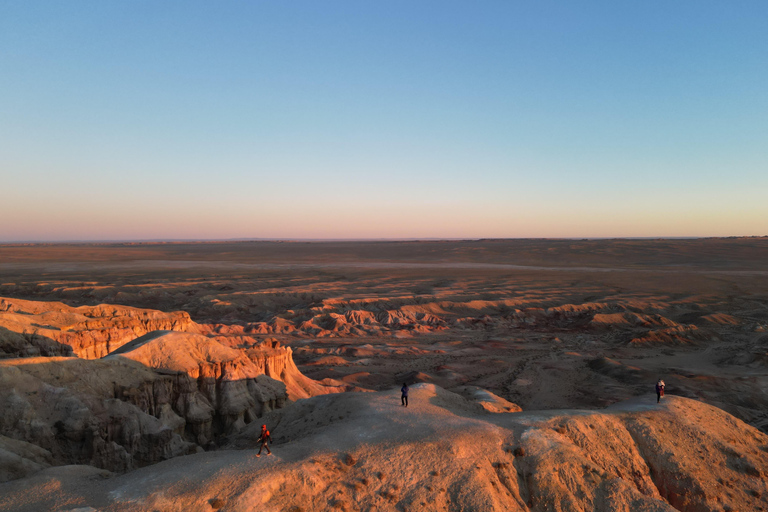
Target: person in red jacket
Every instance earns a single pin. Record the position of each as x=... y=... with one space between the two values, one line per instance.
x=264 y=438
x=659 y=390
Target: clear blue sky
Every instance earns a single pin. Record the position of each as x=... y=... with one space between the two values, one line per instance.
x=363 y=119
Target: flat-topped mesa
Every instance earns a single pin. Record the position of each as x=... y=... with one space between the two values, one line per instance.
x=220 y=389
x=203 y=358
x=31 y=328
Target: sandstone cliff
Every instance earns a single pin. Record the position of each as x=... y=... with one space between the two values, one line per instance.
x=161 y=395
x=64 y=411
x=201 y=357
x=117 y=414
x=30 y=328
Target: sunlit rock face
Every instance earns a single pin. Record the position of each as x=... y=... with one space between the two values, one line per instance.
x=30 y=328
x=216 y=389
x=163 y=395
x=157 y=395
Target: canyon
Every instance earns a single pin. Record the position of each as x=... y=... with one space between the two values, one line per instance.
x=532 y=364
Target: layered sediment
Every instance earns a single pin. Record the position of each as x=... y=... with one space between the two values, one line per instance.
x=349 y=318
x=31 y=328
x=156 y=395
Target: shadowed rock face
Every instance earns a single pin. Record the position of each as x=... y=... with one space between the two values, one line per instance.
x=67 y=409
x=164 y=394
x=29 y=328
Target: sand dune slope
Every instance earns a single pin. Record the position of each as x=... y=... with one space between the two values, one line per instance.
x=358 y=451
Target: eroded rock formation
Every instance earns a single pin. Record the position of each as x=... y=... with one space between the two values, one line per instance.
x=356 y=451
x=67 y=409
x=163 y=394
x=344 y=318
x=30 y=328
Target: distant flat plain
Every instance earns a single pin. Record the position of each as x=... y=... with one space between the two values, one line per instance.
x=543 y=323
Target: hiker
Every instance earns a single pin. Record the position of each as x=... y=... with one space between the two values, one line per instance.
x=659 y=390
x=264 y=438
x=404 y=396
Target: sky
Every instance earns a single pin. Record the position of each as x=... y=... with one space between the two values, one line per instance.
x=382 y=119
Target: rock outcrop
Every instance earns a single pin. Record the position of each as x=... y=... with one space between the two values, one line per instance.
x=377 y=317
x=357 y=451
x=156 y=395
x=31 y=328
x=161 y=395
x=201 y=357
x=19 y=459
x=67 y=410
x=164 y=394
x=217 y=390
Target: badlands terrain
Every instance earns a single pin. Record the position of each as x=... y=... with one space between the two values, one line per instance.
x=136 y=376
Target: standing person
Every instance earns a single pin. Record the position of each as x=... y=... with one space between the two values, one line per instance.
x=404 y=395
x=264 y=438
x=659 y=390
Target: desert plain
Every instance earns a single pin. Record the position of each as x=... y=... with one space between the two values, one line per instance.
x=134 y=376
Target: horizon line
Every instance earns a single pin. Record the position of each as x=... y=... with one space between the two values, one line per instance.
x=329 y=240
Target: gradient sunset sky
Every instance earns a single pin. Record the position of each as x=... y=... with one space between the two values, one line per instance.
x=382 y=119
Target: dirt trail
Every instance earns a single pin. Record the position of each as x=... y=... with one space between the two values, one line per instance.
x=443 y=452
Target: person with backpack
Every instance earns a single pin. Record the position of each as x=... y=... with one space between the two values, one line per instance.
x=404 y=395
x=659 y=390
x=264 y=438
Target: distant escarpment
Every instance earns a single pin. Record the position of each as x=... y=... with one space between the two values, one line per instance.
x=412 y=315
x=93 y=331
x=30 y=328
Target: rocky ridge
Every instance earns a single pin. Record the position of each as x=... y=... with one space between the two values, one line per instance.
x=444 y=452
x=32 y=328
x=343 y=318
